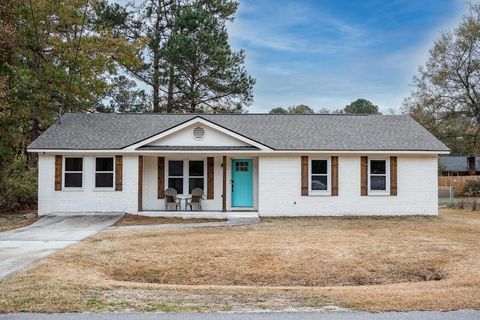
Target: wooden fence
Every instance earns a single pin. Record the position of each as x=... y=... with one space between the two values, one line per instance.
x=456 y=182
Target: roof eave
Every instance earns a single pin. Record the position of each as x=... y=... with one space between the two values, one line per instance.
x=278 y=151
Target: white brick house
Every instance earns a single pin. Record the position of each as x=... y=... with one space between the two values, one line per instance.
x=246 y=164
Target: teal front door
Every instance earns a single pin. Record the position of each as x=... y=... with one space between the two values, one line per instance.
x=242 y=183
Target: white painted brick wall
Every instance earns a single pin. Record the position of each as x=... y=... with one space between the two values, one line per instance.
x=88 y=199
x=278 y=189
x=280 y=180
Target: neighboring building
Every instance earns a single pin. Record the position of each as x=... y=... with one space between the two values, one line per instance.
x=458 y=165
x=247 y=164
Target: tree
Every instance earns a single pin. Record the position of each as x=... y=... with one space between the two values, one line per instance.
x=278 y=110
x=10 y=133
x=208 y=74
x=54 y=57
x=298 y=109
x=453 y=129
x=65 y=58
x=447 y=86
x=124 y=97
x=186 y=74
x=324 y=111
x=361 y=106
x=301 y=108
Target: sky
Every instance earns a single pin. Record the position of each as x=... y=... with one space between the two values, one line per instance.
x=327 y=53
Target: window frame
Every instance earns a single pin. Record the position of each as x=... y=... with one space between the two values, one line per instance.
x=204 y=176
x=186 y=173
x=64 y=172
x=387 y=177
x=95 y=173
x=327 y=192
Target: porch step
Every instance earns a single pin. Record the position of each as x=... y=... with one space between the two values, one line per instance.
x=201 y=214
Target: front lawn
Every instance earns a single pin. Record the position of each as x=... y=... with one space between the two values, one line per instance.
x=375 y=264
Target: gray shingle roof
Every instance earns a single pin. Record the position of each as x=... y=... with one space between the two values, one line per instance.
x=278 y=131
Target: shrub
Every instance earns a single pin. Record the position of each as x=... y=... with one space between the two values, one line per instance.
x=18 y=185
x=472 y=188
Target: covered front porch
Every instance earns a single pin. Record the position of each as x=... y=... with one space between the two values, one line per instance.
x=229 y=183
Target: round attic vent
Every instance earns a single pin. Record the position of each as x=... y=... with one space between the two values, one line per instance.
x=198 y=133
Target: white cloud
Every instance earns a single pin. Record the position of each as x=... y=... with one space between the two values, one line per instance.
x=278 y=29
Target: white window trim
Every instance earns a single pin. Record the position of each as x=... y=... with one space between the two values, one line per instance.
x=64 y=162
x=327 y=192
x=95 y=173
x=186 y=175
x=385 y=192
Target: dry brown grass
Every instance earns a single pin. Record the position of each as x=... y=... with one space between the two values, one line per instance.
x=9 y=221
x=373 y=264
x=137 y=220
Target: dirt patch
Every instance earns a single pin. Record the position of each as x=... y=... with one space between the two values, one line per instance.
x=9 y=221
x=136 y=220
x=368 y=264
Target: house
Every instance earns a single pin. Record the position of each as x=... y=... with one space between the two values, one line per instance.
x=247 y=164
x=458 y=165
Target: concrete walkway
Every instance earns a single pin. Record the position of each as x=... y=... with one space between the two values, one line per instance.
x=22 y=247
x=457 y=315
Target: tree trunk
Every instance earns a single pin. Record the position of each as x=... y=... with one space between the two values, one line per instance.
x=156 y=63
x=193 y=103
x=34 y=133
x=156 y=81
x=170 y=90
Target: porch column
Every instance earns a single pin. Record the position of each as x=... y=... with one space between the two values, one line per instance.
x=140 y=183
x=224 y=190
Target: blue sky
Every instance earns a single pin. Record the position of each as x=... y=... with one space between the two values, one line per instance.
x=328 y=53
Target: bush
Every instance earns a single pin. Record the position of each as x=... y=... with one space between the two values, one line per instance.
x=18 y=185
x=471 y=188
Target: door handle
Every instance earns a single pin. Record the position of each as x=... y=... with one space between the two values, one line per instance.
x=231 y=182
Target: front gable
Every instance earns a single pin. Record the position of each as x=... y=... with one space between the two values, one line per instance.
x=197 y=133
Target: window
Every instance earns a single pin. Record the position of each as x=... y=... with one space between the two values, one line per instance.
x=241 y=166
x=104 y=172
x=186 y=175
x=319 y=176
x=175 y=175
x=378 y=175
x=196 y=175
x=73 y=172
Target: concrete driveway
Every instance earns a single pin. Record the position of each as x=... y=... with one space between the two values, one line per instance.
x=22 y=247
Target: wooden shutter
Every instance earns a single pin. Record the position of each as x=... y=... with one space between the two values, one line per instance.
x=304 y=177
x=393 y=176
x=118 y=173
x=364 y=176
x=161 y=178
x=58 y=173
x=334 y=164
x=140 y=183
x=210 y=177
